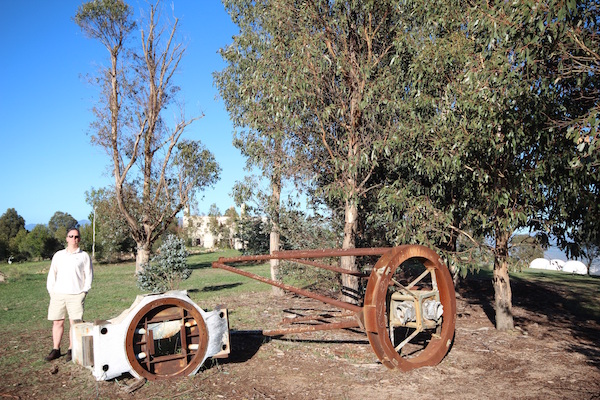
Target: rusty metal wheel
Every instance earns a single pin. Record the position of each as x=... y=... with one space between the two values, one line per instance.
x=166 y=338
x=410 y=308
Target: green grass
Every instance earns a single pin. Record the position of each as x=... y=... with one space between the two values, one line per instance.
x=24 y=299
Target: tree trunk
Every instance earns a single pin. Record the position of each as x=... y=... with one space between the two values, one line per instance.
x=274 y=245
x=142 y=257
x=501 y=282
x=274 y=236
x=350 y=289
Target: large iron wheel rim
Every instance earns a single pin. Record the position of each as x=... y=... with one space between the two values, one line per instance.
x=193 y=346
x=376 y=308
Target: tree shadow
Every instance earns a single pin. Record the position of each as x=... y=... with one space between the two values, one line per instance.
x=478 y=291
x=200 y=265
x=216 y=288
x=562 y=305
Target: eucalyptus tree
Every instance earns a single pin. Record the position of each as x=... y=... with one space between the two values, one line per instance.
x=574 y=71
x=331 y=73
x=487 y=159
x=111 y=237
x=255 y=92
x=157 y=171
x=427 y=195
x=516 y=160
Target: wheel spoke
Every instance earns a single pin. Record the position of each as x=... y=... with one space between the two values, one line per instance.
x=418 y=279
x=408 y=339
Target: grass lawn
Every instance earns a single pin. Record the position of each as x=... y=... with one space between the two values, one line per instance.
x=24 y=299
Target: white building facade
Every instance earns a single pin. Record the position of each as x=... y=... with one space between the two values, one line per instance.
x=198 y=230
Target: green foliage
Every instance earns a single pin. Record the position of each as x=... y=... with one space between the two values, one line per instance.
x=301 y=230
x=4 y=253
x=11 y=223
x=167 y=269
x=59 y=223
x=195 y=165
x=40 y=243
x=253 y=232
x=113 y=238
x=105 y=20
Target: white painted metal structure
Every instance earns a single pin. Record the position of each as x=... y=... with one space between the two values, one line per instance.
x=159 y=336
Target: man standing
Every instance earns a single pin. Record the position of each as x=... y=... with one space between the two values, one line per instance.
x=69 y=280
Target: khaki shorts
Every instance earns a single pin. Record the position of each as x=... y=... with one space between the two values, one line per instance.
x=61 y=304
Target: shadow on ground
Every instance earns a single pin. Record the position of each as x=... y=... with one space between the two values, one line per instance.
x=566 y=305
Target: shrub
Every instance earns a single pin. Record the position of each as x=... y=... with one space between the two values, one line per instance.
x=167 y=269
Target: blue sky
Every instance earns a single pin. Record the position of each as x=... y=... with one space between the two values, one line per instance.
x=47 y=161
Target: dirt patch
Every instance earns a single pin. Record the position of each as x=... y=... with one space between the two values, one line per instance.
x=553 y=354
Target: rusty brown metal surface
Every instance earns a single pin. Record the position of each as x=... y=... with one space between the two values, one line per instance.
x=376 y=317
x=349 y=323
x=293 y=289
x=320 y=253
x=159 y=321
x=373 y=316
x=329 y=267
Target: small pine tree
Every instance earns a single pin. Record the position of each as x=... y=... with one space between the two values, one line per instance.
x=167 y=269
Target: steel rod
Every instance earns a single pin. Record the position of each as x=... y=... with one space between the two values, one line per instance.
x=313 y=328
x=330 y=268
x=323 y=253
x=327 y=300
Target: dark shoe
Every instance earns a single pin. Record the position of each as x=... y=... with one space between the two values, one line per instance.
x=68 y=357
x=54 y=354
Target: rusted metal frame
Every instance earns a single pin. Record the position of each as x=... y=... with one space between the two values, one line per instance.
x=375 y=318
x=297 y=254
x=350 y=323
x=324 y=253
x=330 y=267
x=324 y=299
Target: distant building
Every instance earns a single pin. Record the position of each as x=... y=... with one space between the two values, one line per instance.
x=198 y=230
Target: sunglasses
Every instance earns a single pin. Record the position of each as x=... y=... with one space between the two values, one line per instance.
x=73 y=236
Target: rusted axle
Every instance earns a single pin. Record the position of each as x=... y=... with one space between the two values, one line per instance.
x=418 y=308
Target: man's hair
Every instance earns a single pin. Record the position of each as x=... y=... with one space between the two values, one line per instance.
x=74 y=228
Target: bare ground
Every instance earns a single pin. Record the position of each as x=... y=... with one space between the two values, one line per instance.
x=553 y=354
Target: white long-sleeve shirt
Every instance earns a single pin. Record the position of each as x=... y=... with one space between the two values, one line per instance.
x=70 y=273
